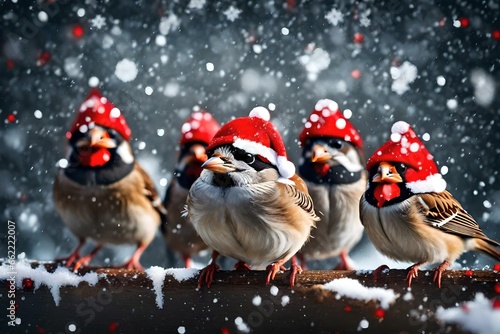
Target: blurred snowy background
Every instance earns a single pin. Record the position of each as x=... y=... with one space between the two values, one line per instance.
x=436 y=66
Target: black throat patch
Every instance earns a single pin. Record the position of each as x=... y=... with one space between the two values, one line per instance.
x=112 y=172
x=335 y=175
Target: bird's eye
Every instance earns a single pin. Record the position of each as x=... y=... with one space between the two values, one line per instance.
x=337 y=144
x=401 y=168
x=112 y=133
x=249 y=158
x=244 y=156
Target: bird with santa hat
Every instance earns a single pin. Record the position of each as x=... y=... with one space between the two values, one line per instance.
x=407 y=212
x=101 y=192
x=196 y=133
x=332 y=165
x=248 y=203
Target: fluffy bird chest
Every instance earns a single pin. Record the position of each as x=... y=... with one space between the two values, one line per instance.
x=116 y=213
x=399 y=232
x=339 y=227
x=250 y=223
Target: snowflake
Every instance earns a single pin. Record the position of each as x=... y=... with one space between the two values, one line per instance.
x=364 y=21
x=403 y=76
x=168 y=24
x=232 y=13
x=197 y=4
x=98 y=22
x=334 y=17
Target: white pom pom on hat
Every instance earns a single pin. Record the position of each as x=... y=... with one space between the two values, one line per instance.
x=260 y=112
x=400 y=127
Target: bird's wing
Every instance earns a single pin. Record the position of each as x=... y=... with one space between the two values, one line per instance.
x=444 y=212
x=300 y=195
x=151 y=193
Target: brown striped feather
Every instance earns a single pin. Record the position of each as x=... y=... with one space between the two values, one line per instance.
x=441 y=207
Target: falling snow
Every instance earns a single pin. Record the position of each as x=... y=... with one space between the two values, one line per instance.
x=315 y=62
x=403 y=76
x=418 y=62
x=169 y=24
x=126 y=70
x=364 y=20
x=196 y=4
x=98 y=22
x=232 y=13
x=334 y=17
x=484 y=87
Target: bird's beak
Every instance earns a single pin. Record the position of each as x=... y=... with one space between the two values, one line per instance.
x=199 y=153
x=99 y=138
x=387 y=173
x=319 y=154
x=219 y=164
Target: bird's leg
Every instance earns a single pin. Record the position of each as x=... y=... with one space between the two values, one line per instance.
x=207 y=273
x=345 y=262
x=302 y=260
x=439 y=271
x=413 y=272
x=85 y=260
x=74 y=256
x=187 y=261
x=241 y=266
x=133 y=263
x=378 y=272
x=273 y=269
x=294 y=270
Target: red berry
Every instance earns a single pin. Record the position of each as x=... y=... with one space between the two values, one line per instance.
x=358 y=38
x=112 y=327
x=27 y=283
x=43 y=58
x=496 y=34
x=468 y=273
x=464 y=22
x=356 y=74
x=225 y=330
x=11 y=118
x=497 y=287
x=379 y=313
x=496 y=267
x=77 y=31
x=348 y=308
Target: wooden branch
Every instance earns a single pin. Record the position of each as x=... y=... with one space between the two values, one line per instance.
x=124 y=302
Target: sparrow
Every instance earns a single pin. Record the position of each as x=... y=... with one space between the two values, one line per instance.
x=333 y=168
x=409 y=215
x=179 y=233
x=101 y=192
x=248 y=203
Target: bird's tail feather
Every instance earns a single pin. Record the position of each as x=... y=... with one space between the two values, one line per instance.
x=488 y=247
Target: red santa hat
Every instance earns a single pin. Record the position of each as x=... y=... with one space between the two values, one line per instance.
x=422 y=175
x=201 y=126
x=97 y=110
x=327 y=120
x=255 y=134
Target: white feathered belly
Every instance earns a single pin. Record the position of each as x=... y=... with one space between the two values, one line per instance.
x=340 y=227
x=392 y=233
x=106 y=214
x=231 y=222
